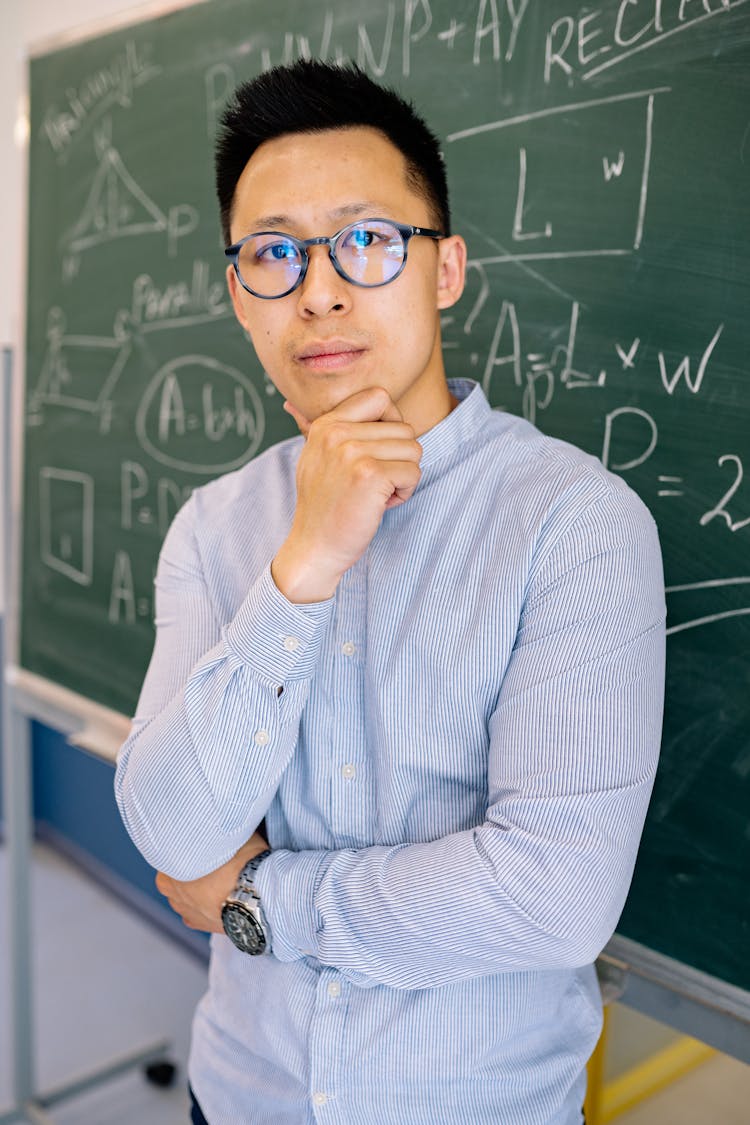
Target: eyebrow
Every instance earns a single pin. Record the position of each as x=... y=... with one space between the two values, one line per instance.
x=368 y=207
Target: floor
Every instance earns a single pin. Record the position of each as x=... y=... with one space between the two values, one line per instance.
x=107 y=983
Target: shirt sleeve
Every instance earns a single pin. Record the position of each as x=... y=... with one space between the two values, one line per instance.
x=574 y=741
x=218 y=717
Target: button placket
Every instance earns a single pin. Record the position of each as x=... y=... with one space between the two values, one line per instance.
x=326 y=1039
x=350 y=810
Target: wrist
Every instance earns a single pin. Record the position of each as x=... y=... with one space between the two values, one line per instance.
x=301 y=577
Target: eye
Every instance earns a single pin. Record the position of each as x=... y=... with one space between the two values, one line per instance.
x=360 y=238
x=363 y=238
x=276 y=251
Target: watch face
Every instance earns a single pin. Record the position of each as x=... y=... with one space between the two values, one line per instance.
x=243 y=928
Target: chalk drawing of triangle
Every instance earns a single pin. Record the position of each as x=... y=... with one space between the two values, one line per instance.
x=116 y=207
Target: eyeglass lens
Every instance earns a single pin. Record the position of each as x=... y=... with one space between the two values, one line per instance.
x=369 y=253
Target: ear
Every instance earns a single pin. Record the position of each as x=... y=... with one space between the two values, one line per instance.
x=451 y=270
x=236 y=292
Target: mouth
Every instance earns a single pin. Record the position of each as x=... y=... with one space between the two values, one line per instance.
x=328 y=355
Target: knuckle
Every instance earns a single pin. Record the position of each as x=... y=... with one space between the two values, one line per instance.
x=334 y=433
x=365 y=469
x=349 y=450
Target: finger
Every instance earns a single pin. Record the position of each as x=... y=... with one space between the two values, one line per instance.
x=400 y=496
x=374 y=404
x=388 y=450
x=403 y=477
x=371 y=431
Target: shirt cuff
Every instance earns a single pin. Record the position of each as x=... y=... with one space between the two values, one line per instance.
x=279 y=639
x=287 y=883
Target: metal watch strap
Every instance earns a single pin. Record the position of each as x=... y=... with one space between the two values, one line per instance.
x=245 y=881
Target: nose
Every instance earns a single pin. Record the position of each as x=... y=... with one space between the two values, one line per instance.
x=323 y=291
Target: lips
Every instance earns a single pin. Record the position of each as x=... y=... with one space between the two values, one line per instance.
x=329 y=355
x=328 y=347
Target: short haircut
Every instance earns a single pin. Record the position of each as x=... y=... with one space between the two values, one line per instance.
x=311 y=96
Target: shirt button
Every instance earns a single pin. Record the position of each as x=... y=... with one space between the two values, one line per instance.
x=334 y=989
x=348 y=771
x=348 y=648
x=291 y=644
x=320 y=1098
x=262 y=737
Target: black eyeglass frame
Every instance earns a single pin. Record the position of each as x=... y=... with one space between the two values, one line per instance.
x=406 y=230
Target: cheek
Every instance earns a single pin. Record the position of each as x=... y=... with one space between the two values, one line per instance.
x=266 y=340
x=413 y=318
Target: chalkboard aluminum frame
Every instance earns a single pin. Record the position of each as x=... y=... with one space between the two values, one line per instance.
x=114 y=22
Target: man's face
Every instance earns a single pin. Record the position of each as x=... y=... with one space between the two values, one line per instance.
x=308 y=185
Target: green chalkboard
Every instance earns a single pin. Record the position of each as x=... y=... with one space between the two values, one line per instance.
x=599 y=161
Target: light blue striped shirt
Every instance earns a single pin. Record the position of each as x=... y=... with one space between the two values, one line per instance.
x=454 y=756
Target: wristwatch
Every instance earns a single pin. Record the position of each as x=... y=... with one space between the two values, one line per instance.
x=241 y=914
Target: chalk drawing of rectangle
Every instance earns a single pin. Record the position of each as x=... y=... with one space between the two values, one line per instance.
x=608 y=125
x=66 y=513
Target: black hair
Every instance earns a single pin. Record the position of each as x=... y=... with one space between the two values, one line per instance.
x=310 y=96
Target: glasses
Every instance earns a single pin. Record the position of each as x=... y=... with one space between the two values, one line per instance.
x=368 y=253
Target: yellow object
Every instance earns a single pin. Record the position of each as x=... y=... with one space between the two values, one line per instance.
x=595 y=1083
x=606 y=1101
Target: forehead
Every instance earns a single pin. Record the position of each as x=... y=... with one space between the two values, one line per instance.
x=310 y=178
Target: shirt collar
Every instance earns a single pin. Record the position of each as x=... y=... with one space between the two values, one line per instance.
x=460 y=426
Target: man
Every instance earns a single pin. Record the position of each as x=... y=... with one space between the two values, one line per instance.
x=424 y=641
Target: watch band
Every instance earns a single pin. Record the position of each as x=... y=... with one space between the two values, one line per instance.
x=246 y=879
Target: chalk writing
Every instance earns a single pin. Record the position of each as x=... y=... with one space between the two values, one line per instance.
x=117 y=207
x=122 y=600
x=597 y=216
x=683 y=368
x=137 y=486
x=646 y=437
x=197 y=397
x=182 y=302
x=79 y=372
x=720 y=509
x=97 y=92
x=384 y=43
x=573 y=43
x=66 y=517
